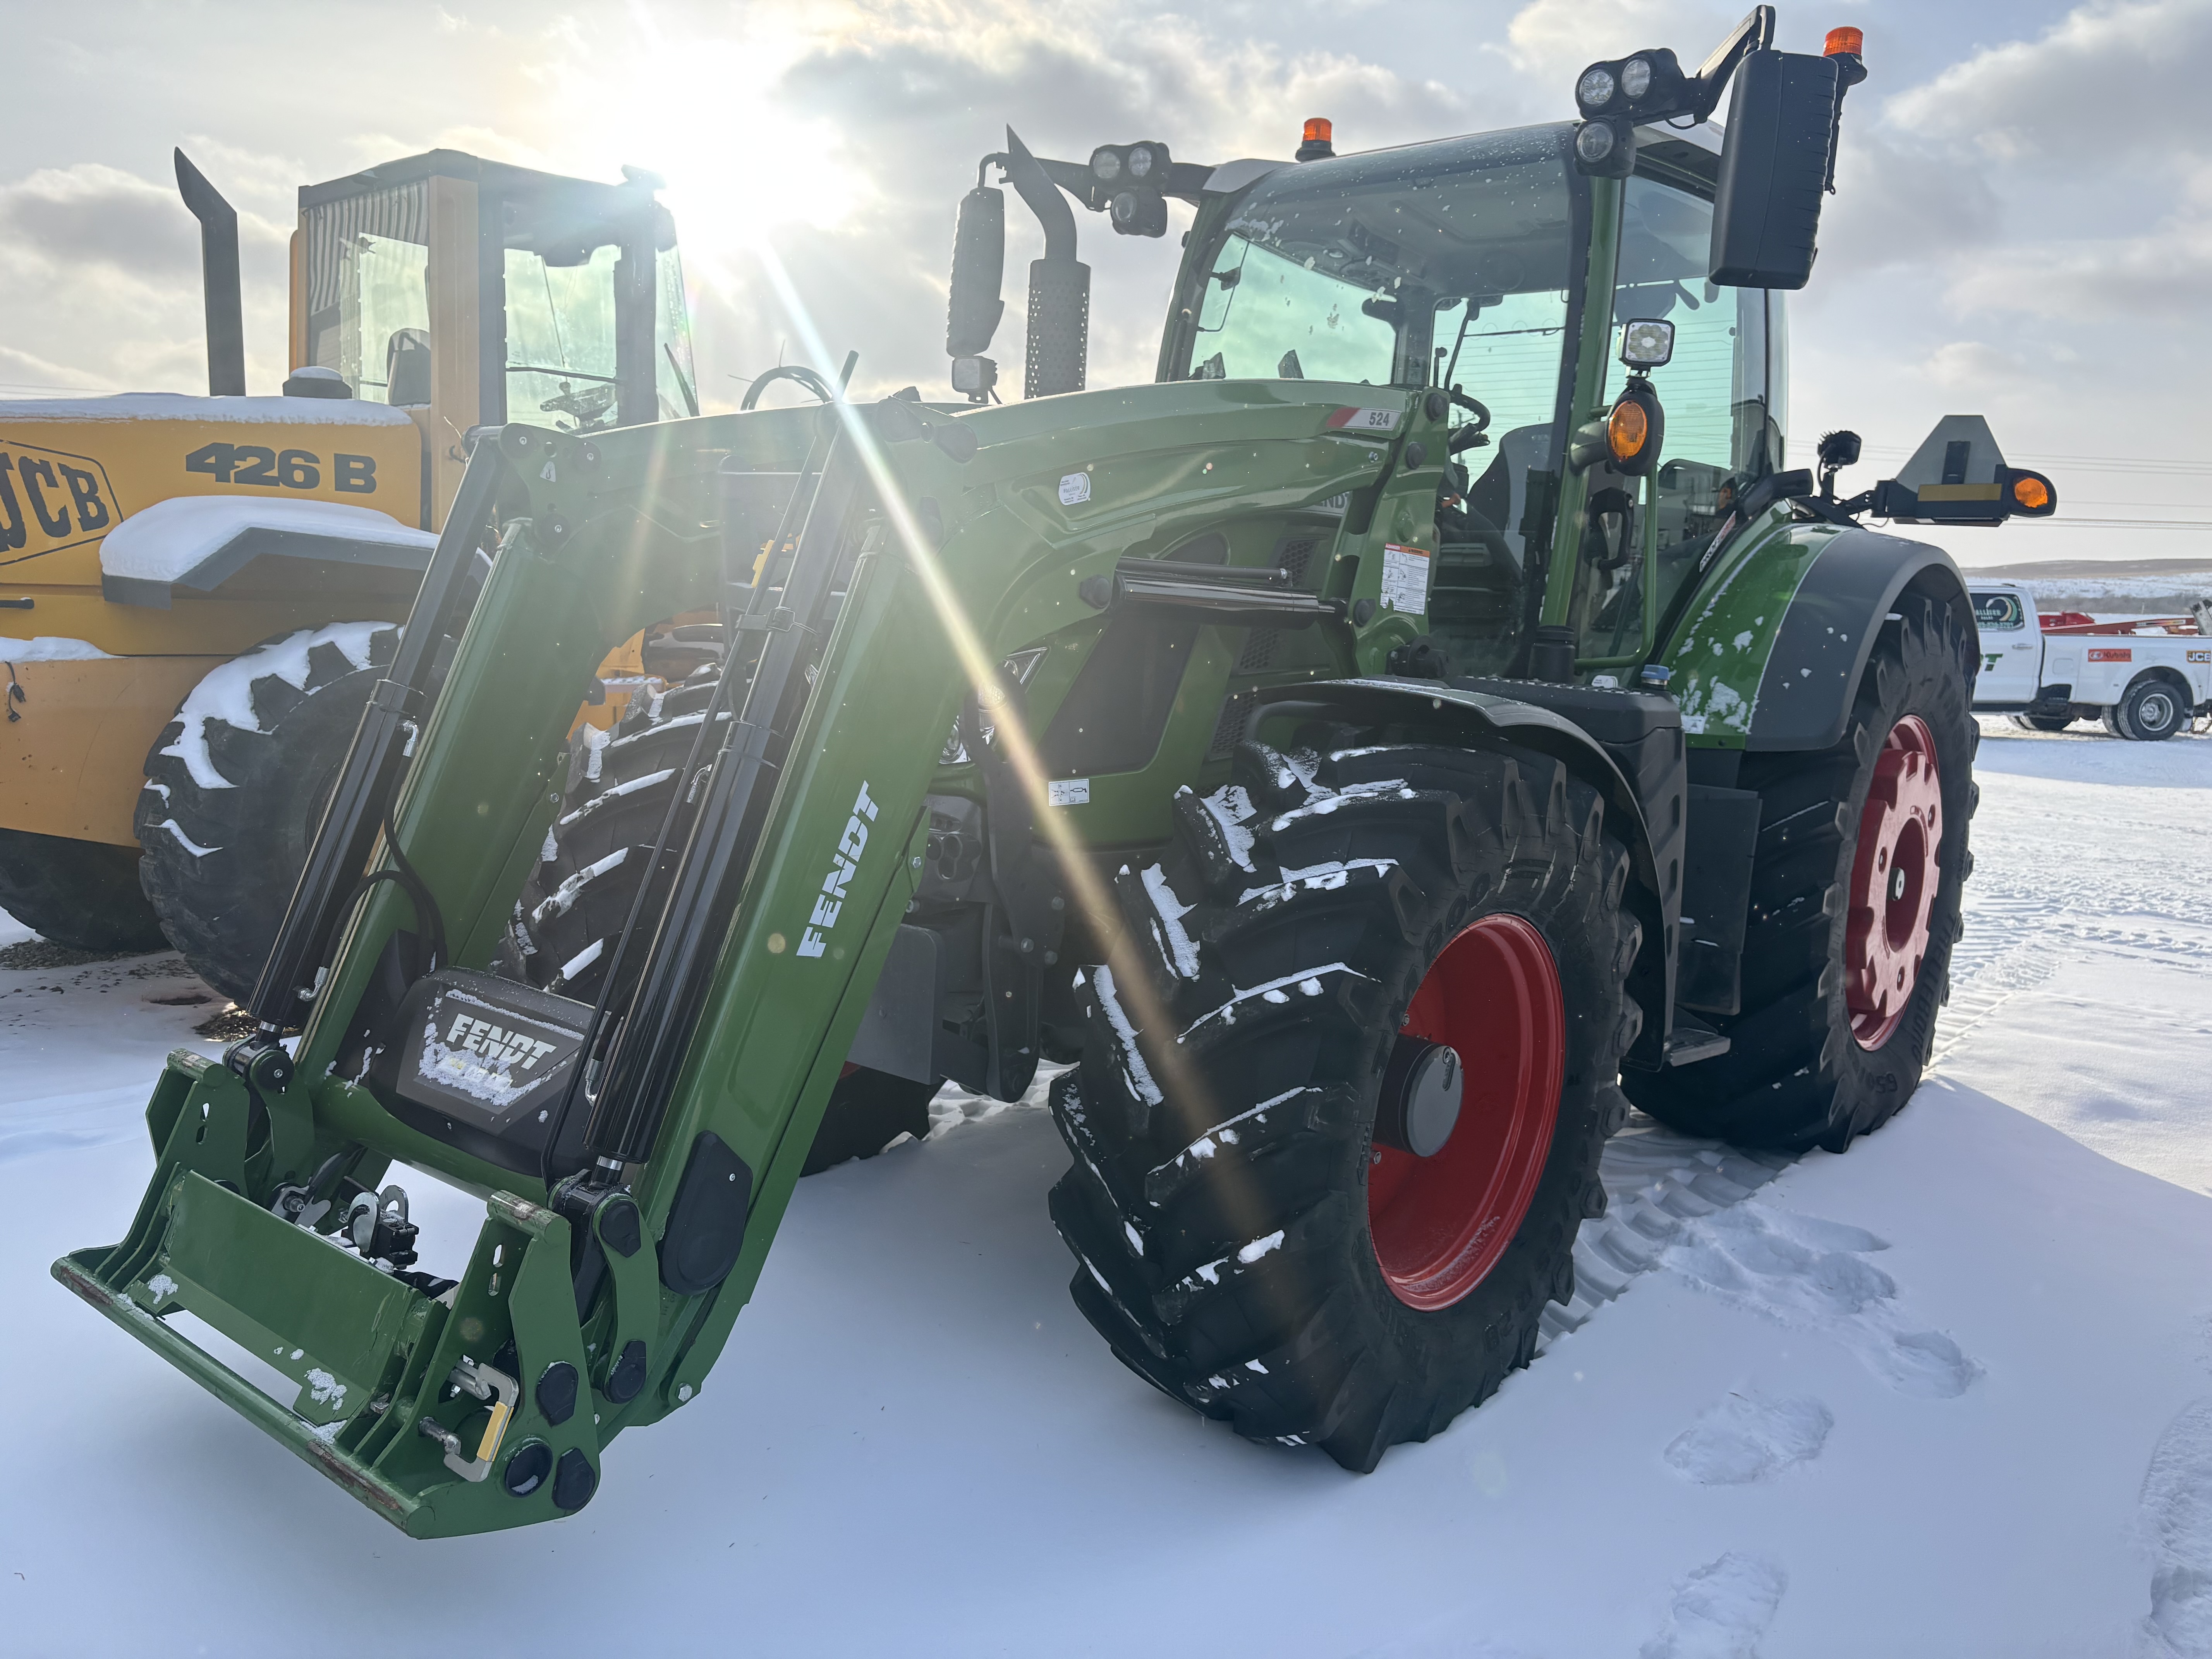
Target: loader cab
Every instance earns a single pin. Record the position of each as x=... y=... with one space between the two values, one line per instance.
x=472 y=293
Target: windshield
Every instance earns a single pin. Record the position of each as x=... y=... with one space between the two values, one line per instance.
x=1360 y=269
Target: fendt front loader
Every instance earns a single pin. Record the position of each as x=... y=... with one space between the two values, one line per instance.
x=1425 y=720
x=196 y=594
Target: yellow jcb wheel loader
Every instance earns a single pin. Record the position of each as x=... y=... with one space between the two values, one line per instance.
x=196 y=594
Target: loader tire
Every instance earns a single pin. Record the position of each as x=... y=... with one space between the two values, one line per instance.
x=572 y=911
x=81 y=894
x=1242 y=1240
x=619 y=785
x=235 y=787
x=1831 y=1041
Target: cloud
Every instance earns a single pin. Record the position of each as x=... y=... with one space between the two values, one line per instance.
x=100 y=215
x=1552 y=40
x=2157 y=278
x=100 y=282
x=2107 y=82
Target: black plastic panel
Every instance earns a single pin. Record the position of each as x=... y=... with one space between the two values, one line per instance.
x=706 y=1222
x=1716 y=895
x=479 y=1062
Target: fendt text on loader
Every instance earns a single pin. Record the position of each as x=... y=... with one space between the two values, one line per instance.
x=1425 y=720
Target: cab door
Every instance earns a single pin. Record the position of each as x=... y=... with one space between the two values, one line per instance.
x=2012 y=648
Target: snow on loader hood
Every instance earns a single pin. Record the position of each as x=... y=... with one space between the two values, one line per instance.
x=165 y=541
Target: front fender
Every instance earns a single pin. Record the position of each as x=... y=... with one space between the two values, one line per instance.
x=1477 y=719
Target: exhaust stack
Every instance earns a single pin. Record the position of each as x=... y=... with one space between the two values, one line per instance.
x=219 y=280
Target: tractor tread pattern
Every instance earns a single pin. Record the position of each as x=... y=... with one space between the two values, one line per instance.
x=1219 y=1124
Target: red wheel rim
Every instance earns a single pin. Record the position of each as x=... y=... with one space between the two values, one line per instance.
x=1441 y=1223
x=1893 y=882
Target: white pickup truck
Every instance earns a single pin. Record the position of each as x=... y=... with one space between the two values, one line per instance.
x=2144 y=680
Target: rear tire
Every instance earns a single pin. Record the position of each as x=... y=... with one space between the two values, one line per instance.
x=81 y=894
x=2151 y=710
x=1805 y=1068
x=1244 y=1244
x=235 y=788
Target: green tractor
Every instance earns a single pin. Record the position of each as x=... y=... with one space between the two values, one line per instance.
x=1425 y=721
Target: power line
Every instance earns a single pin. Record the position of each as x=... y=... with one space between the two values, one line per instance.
x=2116 y=524
x=2156 y=465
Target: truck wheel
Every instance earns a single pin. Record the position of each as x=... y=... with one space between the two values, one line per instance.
x=2043 y=722
x=1854 y=907
x=82 y=893
x=572 y=911
x=235 y=787
x=1277 y=1218
x=2151 y=710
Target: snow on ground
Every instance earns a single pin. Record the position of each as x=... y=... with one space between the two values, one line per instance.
x=1948 y=1395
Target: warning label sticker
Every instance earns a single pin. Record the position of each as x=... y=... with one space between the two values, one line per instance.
x=1070 y=792
x=1405 y=579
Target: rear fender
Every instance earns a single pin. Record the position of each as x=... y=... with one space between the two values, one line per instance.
x=1477 y=719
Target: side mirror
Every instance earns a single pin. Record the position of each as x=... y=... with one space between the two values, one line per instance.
x=1777 y=162
x=1959 y=475
x=979 y=265
x=407 y=367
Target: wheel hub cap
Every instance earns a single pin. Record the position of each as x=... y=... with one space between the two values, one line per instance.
x=1441 y=1222
x=1894 y=881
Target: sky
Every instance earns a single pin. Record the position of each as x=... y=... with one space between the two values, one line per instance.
x=2023 y=226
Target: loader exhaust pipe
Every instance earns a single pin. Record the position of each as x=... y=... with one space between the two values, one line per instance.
x=219 y=280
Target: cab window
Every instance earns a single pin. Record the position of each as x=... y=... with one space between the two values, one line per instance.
x=1723 y=429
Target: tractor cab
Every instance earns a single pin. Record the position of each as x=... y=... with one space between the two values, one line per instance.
x=472 y=293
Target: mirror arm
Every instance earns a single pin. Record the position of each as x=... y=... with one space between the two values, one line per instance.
x=1754 y=33
x=1035 y=186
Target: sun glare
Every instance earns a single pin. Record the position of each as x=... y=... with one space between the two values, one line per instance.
x=706 y=114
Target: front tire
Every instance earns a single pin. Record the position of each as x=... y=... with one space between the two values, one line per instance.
x=235 y=788
x=1246 y=1239
x=2043 y=722
x=1844 y=969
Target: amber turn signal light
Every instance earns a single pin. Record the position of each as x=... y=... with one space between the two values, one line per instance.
x=2031 y=493
x=1845 y=42
x=1626 y=430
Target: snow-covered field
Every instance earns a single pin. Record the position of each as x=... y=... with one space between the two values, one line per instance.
x=1948 y=1395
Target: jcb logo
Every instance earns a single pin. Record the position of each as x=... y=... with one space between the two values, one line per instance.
x=50 y=501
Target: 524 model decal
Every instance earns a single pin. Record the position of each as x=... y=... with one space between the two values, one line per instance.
x=284 y=469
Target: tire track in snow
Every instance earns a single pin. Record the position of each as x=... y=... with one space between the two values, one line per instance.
x=1656 y=1181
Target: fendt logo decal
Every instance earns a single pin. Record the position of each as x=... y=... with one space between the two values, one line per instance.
x=502 y=1047
x=50 y=501
x=842 y=863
